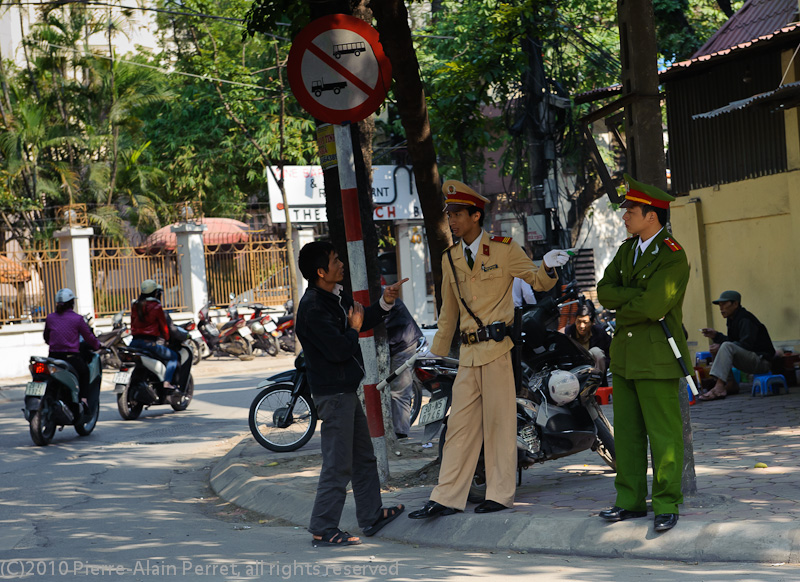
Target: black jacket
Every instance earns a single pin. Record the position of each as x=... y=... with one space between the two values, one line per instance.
x=746 y=331
x=401 y=329
x=600 y=339
x=333 y=357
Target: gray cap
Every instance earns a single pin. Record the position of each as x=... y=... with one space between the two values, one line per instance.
x=728 y=296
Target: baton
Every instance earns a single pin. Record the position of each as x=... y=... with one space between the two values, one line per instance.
x=676 y=351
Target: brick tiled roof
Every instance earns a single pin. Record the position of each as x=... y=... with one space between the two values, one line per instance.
x=754 y=19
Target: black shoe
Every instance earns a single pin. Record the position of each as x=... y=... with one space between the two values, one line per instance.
x=400 y=435
x=489 y=506
x=665 y=521
x=431 y=509
x=619 y=514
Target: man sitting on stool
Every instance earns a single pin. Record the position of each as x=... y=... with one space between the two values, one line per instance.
x=747 y=345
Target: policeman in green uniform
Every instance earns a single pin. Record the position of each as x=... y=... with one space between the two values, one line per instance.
x=646 y=281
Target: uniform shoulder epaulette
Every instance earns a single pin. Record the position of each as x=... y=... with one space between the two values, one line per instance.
x=501 y=239
x=673 y=246
x=451 y=247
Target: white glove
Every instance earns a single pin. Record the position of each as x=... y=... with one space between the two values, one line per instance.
x=555 y=258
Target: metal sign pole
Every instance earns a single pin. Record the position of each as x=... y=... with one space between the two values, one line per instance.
x=358 y=280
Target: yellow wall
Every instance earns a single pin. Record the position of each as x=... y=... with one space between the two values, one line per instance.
x=743 y=236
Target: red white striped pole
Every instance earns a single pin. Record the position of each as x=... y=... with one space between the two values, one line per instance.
x=360 y=285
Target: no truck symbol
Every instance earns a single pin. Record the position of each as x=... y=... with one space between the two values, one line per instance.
x=337 y=69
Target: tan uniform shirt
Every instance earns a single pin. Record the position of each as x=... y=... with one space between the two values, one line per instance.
x=486 y=288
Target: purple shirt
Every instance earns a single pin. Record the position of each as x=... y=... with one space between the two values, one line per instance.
x=62 y=332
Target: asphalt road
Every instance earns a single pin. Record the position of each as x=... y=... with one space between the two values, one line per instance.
x=131 y=502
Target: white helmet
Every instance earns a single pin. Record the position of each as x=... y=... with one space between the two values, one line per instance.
x=64 y=295
x=563 y=387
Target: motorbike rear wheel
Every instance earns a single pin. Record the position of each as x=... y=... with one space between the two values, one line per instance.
x=185 y=398
x=416 y=401
x=86 y=428
x=604 y=445
x=42 y=426
x=129 y=409
x=271 y=402
x=271 y=345
x=246 y=347
x=197 y=351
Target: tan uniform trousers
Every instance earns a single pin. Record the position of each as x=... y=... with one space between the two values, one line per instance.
x=484 y=412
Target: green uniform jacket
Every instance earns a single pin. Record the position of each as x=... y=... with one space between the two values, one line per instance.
x=642 y=294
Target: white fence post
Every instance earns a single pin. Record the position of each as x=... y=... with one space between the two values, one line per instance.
x=191 y=254
x=75 y=242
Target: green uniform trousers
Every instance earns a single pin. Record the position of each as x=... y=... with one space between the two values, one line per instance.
x=642 y=409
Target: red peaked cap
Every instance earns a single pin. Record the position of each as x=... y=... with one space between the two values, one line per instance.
x=459 y=194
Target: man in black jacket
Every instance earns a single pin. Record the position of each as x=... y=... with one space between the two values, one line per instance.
x=327 y=324
x=747 y=345
x=403 y=334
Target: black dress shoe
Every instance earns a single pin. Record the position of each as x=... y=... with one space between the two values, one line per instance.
x=665 y=521
x=489 y=506
x=619 y=514
x=431 y=509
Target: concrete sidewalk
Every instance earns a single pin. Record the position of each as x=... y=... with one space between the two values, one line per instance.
x=740 y=513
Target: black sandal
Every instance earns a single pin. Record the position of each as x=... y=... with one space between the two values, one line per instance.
x=388 y=514
x=335 y=537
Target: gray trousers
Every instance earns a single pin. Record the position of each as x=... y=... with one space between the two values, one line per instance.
x=730 y=355
x=347 y=455
x=402 y=392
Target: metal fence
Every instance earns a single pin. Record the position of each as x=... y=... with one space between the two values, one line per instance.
x=119 y=269
x=254 y=270
x=29 y=279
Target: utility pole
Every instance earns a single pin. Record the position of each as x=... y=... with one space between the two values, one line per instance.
x=645 y=143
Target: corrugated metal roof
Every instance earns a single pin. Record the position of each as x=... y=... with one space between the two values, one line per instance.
x=788 y=32
x=784 y=97
x=754 y=19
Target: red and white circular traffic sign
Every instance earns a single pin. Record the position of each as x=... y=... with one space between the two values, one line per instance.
x=337 y=69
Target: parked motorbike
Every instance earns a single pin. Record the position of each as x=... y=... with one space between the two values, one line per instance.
x=234 y=338
x=557 y=413
x=198 y=345
x=285 y=331
x=283 y=416
x=262 y=327
x=140 y=381
x=118 y=337
x=52 y=397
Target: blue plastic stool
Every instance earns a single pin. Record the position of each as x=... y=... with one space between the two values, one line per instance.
x=764 y=384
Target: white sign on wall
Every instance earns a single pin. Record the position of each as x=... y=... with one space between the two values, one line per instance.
x=393 y=192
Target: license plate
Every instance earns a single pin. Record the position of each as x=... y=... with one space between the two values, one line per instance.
x=35 y=388
x=433 y=411
x=195 y=334
x=270 y=326
x=122 y=378
x=245 y=331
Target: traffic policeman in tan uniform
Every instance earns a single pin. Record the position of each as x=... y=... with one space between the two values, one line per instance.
x=476 y=295
x=646 y=281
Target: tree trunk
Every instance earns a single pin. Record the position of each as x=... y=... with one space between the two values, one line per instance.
x=395 y=34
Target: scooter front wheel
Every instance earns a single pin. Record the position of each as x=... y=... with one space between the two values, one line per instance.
x=270 y=425
x=604 y=445
x=185 y=397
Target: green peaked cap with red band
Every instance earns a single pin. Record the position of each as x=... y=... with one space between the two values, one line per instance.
x=639 y=193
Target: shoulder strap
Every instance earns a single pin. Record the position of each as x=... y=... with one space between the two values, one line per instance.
x=464 y=303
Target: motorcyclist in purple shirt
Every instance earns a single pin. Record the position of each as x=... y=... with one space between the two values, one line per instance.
x=63 y=330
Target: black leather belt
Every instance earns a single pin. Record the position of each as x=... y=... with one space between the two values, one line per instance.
x=496 y=331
